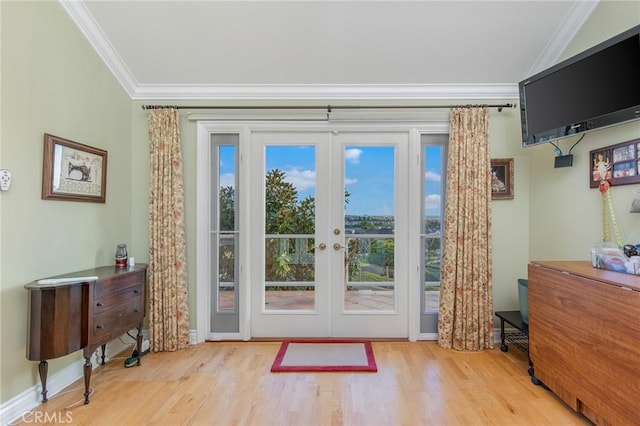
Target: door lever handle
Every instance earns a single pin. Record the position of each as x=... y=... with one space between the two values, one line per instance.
x=337 y=246
x=321 y=246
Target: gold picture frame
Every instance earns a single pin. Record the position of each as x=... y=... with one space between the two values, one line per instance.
x=73 y=171
x=502 y=178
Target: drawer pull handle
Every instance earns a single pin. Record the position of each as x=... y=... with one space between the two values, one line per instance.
x=98 y=304
x=136 y=310
x=98 y=327
x=136 y=291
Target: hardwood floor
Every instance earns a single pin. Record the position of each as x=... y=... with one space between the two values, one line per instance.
x=230 y=383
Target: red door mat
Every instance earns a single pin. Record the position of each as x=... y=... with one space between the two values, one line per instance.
x=324 y=355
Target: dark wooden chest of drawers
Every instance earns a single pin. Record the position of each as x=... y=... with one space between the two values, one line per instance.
x=117 y=303
x=67 y=317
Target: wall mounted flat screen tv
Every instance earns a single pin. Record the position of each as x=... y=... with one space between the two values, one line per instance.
x=597 y=88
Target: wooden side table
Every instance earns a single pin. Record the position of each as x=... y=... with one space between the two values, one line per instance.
x=85 y=314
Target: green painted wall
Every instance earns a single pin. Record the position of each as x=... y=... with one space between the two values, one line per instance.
x=53 y=82
x=566 y=215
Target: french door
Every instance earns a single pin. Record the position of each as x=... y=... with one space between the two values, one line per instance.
x=319 y=230
x=328 y=233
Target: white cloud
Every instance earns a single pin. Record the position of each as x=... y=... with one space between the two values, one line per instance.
x=227 y=179
x=302 y=180
x=352 y=155
x=431 y=202
x=350 y=181
x=431 y=176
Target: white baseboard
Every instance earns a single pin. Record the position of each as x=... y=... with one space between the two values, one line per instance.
x=193 y=337
x=496 y=335
x=13 y=410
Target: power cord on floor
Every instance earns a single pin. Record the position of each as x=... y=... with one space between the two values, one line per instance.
x=78 y=402
x=133 y=359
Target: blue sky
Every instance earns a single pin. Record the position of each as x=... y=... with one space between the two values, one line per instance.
x=433 y=180
x=369 y=173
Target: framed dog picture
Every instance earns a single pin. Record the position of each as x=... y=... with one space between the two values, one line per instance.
x=73 y=172
x=502 y=179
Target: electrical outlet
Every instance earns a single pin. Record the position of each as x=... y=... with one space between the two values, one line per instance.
x=5 y=179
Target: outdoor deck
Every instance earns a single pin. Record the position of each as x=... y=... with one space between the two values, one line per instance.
x=367 y=300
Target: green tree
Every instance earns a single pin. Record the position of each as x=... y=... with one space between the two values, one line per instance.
x=227 y=208
x=305 y=222
x=284 y=214
x=382 y=253
x=281 y=199
x=226 y=249
x=365 y=224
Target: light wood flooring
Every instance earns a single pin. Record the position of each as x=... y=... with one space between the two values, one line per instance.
x=230 y=383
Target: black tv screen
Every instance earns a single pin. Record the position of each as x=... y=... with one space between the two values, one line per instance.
x=597 y=88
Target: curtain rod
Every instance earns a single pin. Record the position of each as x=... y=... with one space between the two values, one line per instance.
x=329 y=108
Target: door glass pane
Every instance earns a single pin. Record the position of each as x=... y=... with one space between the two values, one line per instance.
x=290 y=183
x=226 y=244
x=226 y=273
x=431 y=233
x=369 y=204
x=224 y=234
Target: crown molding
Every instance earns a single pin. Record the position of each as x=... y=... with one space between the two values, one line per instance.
x=323 y=91
x=566 y=31
x=579 y=13
x=98 y=40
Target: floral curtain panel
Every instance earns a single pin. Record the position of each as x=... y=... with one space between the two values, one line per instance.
x=466 y=301
x=168 y=297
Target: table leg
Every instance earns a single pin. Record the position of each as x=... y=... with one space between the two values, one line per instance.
x=104 y=351
x=139 y=344
x=87 y=378
x=503 y=346
x=43 y=368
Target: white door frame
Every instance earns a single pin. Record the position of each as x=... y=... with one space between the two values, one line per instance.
x=331 y=318
x=430 y=123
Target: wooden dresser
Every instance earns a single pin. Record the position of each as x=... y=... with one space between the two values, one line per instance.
x=67 y=317
x=584 y=338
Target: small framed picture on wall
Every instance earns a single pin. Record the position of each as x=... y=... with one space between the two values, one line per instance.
x=502 y=179
x=73 y=172
x=617 y=164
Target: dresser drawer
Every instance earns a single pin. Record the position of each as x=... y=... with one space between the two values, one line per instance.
x=108 y=302
x=117 y=319
x=117 y=283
